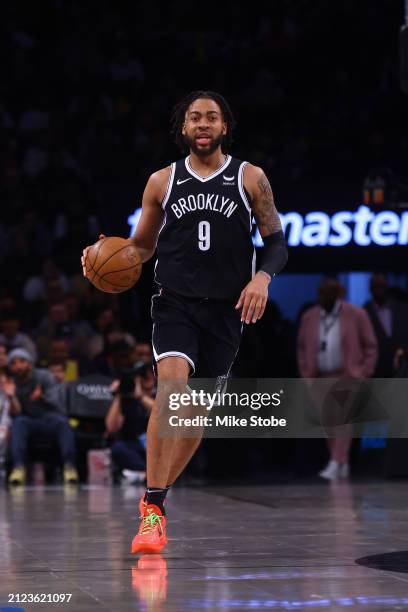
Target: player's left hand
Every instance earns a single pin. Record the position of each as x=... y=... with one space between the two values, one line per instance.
x=253 y=298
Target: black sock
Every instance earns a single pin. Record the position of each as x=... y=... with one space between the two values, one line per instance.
x=166 y=490
x=156 y=496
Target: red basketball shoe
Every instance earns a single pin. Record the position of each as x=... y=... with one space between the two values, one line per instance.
x=151 y=537
x=142 y=505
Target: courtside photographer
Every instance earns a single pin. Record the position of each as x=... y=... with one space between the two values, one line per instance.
x=127 y=419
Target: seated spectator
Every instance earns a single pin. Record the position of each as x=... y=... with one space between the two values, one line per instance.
x=128 y=417
x=3 y=359
x=12 y=337
x=115 y=333
x=35 y=288
x=78 y=227
x=59 y=351
x=42 y=289
x=143 y=352
x=92 y=299
x=30 y=237
x=59 y=324
x=118 y=348
x=82 y=326
x=57 y=367
x=54 y=291
x=4 y=423
x=34 y=406
x=102 y=320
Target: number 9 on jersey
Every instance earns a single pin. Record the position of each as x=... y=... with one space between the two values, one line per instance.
x=204 y=235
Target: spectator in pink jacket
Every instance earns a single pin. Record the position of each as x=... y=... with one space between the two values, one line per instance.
x=336 y=339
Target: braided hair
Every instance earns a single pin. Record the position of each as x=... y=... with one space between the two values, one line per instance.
x=179 y=114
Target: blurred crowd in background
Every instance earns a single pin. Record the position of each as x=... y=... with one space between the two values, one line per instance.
x=86 y=91
x=77 y=370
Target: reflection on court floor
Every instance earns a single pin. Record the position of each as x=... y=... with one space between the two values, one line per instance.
x=292 y=547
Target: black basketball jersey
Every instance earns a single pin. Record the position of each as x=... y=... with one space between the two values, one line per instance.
x=205 y=246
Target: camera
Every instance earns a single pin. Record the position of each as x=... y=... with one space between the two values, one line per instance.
x=127 y=378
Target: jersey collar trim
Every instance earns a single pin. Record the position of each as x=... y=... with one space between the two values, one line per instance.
x=211 y=176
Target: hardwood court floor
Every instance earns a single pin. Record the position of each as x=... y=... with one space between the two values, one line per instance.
x=292 y=547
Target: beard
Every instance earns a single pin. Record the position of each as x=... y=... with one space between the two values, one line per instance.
x=203 y=151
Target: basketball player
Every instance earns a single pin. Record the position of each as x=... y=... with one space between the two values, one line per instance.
x=198 y=213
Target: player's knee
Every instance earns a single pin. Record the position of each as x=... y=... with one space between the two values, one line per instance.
x=170 y=389
x=173 y=368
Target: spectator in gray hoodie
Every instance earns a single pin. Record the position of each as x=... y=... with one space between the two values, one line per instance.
x=35 y=407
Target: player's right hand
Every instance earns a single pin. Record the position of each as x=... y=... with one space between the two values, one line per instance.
x=85 y=253
x=253 y=299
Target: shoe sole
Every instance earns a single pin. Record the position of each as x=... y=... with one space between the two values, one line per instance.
x=148 y=548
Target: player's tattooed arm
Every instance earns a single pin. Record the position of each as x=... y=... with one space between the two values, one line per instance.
x=254 y=296
x=263 y=206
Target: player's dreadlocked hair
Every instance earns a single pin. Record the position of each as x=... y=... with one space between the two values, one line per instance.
x=179 y=114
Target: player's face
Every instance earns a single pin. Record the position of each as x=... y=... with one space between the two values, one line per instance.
x=204 y=127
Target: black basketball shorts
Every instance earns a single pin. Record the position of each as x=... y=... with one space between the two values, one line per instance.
x=205 y=332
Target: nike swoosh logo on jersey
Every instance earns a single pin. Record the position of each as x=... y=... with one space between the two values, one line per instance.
x=181 y=182
x=228 y=178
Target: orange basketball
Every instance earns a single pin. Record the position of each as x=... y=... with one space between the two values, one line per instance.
x=113 y=265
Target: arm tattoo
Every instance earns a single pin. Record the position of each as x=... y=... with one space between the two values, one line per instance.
x=264 y=209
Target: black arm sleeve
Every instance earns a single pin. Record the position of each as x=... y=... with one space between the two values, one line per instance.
x=275 y=253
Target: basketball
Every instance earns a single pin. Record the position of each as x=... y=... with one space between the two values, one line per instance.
x=113 y=265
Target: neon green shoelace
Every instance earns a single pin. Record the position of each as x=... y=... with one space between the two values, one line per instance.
x=150 y=522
